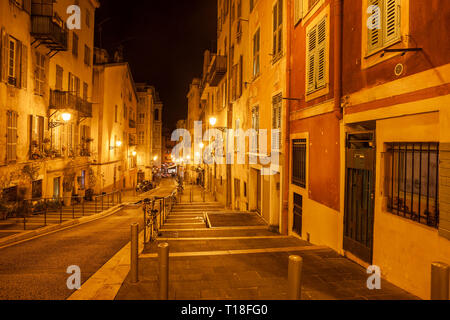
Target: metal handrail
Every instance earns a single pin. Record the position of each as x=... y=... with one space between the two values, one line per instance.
x=77 y=206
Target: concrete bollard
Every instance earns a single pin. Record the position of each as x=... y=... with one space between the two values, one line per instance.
x=295 y=277
x=163 y=255
x=134 y=252
x=440 y=274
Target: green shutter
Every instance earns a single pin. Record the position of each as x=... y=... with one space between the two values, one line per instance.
x=311 y=56
x=24 y=66
x=321 y=53
x=374 y=17
x=391 y=19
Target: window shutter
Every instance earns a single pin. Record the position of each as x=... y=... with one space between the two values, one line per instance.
x=311 y=70
x=392 y=21
x=31 y=132
x=24 y=67
x=321 y=53
x=374 y=38
x=275 y=26
x=18 y=59
x=4 y=56
x=298 y=10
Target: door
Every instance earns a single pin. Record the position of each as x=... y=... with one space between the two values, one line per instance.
x=298 y=214
x=56 y=188
x=359 y=195
x=258 y=192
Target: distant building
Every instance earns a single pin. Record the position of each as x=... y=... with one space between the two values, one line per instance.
x=116 y=108
x=148 y=130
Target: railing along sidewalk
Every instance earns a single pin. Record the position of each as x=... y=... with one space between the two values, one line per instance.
x=58 y=209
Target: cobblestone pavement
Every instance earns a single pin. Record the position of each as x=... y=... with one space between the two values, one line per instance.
x=244 y=261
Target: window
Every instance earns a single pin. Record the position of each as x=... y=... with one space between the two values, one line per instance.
x=36 y=189
x=75 y=45
x=12 y=62
x=277 y=103
x=141 y=137
x=277 y=29
x=255 y=118
x=88 y=18
x=39 y=74
x=256 y=53
x=77 y=86
x=85 y=91
x=59 y=78
x=237 y=188
x=245 y=189
x=412 y=181
x=316 y=56
x=252 y=4
x=11 y=136
x=156 y=115
x=87 y=55
x=384 y=20
x=36 y=136
x=115 y=113
x=299 y=162
x=141 y=118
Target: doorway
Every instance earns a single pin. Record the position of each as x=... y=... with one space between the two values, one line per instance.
x=360 y=194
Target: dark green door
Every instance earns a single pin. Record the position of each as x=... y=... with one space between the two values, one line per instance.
x=360 y=195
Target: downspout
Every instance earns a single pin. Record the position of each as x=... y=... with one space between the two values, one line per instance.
x=229 y=107
x=338 y=58
x=286 y=149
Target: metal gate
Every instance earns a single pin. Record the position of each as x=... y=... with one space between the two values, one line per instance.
x=298 y=214
x=360 y=194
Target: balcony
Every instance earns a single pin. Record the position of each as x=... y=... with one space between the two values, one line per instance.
x=132 y=124
x=62 y=100
x=49 y=31
x=217 y=70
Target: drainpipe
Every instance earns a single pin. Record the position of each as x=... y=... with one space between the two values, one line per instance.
x=338 y=58
x=286 y=149
x=229 y=107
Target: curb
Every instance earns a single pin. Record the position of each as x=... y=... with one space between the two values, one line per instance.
x=107 y=281
x=14 y=239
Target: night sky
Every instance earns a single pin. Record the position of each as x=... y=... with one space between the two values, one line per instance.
x=164 y=43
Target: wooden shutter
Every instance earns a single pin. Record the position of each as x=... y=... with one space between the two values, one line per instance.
x=321 y=53
x=31 y=133
x=44 y=79
x=24 y=67
x=11 y=136
x=374 y=38
x=298 y=10
x=311 y=56
x=391 y=27
x=275 y=25
x=18 y=58
x=4 y=56
x=276 y=121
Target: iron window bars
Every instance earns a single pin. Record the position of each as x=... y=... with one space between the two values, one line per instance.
x=299 y=162
x=412 y=181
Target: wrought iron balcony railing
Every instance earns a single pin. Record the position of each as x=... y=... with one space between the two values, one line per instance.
x=132 y=124
x=46 y=30
x=217 y=70
x=60 y=100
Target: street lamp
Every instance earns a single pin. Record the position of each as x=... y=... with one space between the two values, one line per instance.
x=118 y=144
x=201 y=145
x=212 y=121
x=66 y=117
x=134 y=153
x=155 y=158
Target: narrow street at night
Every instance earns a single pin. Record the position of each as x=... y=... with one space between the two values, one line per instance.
x=187 y=154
